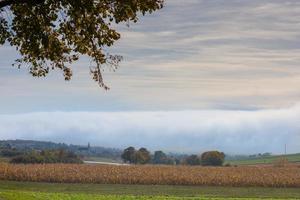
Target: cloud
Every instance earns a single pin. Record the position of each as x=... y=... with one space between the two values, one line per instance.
x=178 y=131
x=192 y=54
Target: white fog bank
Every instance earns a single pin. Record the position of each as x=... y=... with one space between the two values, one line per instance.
x=179 y=131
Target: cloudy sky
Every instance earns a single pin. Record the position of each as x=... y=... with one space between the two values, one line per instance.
x=196 y=75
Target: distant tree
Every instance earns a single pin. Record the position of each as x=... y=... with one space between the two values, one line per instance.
x=159 y=157
x=177 y=161
x=192 y=160
x=129 y=155
x=212 y=158
x=52 y=34
x=9 y=152
x=142 y=156
x=4 y=145
x=267 y=154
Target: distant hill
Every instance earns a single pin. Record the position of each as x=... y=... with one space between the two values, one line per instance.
x=264 y=159
x=86 y=151
x=24 y=145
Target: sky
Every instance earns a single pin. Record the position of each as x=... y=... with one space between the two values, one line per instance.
x=196 y=75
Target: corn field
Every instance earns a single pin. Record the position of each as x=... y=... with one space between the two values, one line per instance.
x=264 y=176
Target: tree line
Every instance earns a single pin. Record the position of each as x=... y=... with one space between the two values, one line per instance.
x=46 y=156
x=38 y=156
x=143 y=156
x=11 y=148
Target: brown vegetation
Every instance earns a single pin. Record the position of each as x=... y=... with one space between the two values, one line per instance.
x=158 y=175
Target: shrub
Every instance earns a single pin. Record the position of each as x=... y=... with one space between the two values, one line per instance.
x=227 y=165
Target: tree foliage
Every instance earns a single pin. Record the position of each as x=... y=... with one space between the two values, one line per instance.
x=160 y=157
x=212 y=158
x=52 y=34
x=47 y=156
x=132 y=156
x=128 y=155
x=192 y=160
x=142 y=156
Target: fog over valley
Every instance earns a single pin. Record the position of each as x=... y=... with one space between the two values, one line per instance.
x=236 y=132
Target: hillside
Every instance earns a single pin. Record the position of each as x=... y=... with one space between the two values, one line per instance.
x=265 y=160
x=85 y=151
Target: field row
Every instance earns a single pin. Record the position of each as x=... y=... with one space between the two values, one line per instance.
x=9 y=195
x=12 y=195
x=151 y=190
x=154 y=175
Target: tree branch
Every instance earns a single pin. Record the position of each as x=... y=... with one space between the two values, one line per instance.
x=4 y=3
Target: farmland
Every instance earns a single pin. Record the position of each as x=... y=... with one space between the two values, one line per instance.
x=293 y=158
x=96 y=191
x=146 y=182
x=154 y=175
x=61 y=196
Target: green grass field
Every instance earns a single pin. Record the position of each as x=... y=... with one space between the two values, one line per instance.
x=99 y=159
x=49 y=191
x=294 y=158
x=61 y=196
